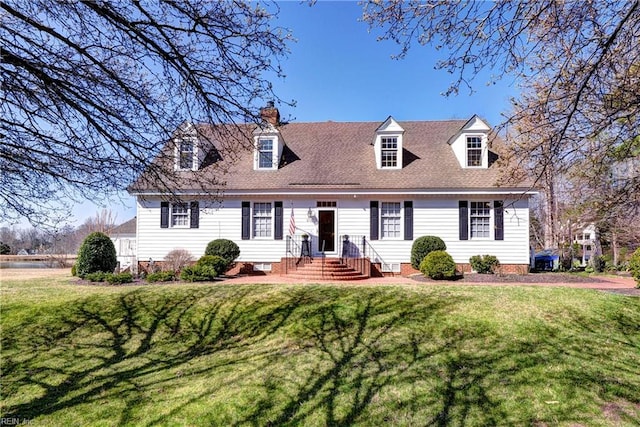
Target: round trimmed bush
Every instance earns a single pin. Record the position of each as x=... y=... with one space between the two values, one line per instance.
x=438 y=265
x=422 y=246
x=224 y=248
x=217 y=262
x=96 y=254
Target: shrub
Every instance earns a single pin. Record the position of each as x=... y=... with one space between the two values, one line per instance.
x=98 y=276
x=198 y=273
x=161 y=276
x=484 y=264
x=4 y=249
x=599 y=263
x=438 y=265
x=74 y=270
x=422 y=246
x=224 y=248
x=217 y=262
x=634 y=266
x=118 y=278
x=97 y=253
x=177 y=259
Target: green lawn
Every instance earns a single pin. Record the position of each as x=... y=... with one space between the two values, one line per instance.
x=259 y=355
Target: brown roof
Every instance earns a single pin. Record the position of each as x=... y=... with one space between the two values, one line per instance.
x=128 y=227
x=340 y=155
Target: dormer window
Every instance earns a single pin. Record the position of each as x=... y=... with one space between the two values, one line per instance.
x=186 y=154
x=388 y=145
x=265 y=153
x=389 y=151
x=269 y=146
x=470 y=145
x=474 y=151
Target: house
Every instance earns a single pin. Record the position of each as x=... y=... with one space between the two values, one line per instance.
x=361 y=190
x=586 y=239
x=124 y=239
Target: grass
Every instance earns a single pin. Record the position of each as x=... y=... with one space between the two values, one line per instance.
x=318 y=355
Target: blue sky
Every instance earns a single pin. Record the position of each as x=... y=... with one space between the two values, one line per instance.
x=338 y=71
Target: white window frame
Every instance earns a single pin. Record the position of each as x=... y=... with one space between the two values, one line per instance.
x=262 y=266
x=486 y=234
x=385 y=141
x=180 y=214
x=186 y=155
x=262 y=153
x=386 y=216
x=477 y=150
x=262 y=212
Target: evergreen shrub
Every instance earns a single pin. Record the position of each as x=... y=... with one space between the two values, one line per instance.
x=422 y=246
x=198 y=273
x=438 y=265
x=217 y=262
x=484 y=264
x=227 y=249
x=161 y=276
x=97 y=253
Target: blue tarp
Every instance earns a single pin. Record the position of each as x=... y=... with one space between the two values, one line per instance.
x=547 y=260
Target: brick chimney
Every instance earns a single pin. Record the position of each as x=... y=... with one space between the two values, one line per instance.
x=270 y=114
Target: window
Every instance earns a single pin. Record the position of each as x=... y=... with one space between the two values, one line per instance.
x=389 y=152
x=186 y=154
x=474 y=151
x=262 y=220
x=179 y=214
x=390 y=219
x=265 y=153
x=480 y=219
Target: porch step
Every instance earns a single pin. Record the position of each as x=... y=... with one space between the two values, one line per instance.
x=333 y=269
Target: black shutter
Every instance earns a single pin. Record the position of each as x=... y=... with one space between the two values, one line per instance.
x=164 y=214
x=278 y=217
x=195 y=215
x=498 y=216
x=373 y=227
x=246 y=220
x=408 y=220
x=463 y=217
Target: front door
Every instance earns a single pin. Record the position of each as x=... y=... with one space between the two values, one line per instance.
x=327 y=231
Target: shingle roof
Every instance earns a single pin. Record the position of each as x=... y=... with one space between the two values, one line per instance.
x=341 y=155
x=127 y=227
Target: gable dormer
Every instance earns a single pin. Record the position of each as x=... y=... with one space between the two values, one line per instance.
x=388 y=145
x=268 y=147
x=187 y=152
x=470 y=144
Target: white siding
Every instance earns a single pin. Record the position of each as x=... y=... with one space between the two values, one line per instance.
x=432 y=215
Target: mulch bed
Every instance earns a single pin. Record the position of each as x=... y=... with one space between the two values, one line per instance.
x=519 y=278
x=536 y=278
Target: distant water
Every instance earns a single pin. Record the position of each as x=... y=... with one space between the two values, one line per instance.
x=26 y=264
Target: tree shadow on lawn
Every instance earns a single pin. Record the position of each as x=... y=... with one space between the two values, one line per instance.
x=102 y=344
x=390 y=362
x=375 y=356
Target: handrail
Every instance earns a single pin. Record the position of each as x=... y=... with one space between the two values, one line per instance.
x=294 y=251
x=358 y=253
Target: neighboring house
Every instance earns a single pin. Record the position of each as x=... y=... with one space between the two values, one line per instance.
x=124 y=239
x=586 y=239
x=381 y=184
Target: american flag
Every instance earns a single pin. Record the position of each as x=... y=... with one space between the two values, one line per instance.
x=292 y=224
